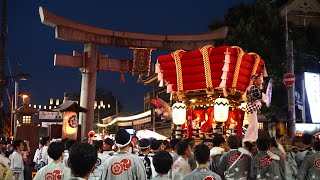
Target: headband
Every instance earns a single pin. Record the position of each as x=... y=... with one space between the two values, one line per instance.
x=124 y=145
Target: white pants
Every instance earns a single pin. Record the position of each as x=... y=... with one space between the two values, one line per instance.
x=252 y=131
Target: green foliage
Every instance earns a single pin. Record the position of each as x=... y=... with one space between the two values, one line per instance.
x=258 y=27
x=306 y=48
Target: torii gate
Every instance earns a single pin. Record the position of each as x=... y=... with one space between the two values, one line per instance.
x=90 y=61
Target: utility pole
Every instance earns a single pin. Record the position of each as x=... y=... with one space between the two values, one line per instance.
x=291 y=90
x=3 y=48
x=153 y=114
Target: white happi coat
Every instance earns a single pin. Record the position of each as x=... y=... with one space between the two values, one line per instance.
x=100 y=166
x=201 y=174
x=65 y=158
x=44 y=155
x=16 y=164
x=124 y=166
x=53 y=171
x=180 y=168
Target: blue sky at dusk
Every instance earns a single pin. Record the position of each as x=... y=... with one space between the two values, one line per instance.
x=31 y=45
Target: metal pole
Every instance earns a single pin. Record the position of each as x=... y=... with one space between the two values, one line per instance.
x=291 y=90
x=16 y=101
x=153 y=111
x=11 y=116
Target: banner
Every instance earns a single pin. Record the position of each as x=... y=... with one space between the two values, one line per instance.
x=50 y=115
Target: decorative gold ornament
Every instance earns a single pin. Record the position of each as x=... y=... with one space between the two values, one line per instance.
x=207 y=69
x=177 y=59
x=255 y=66
x=237 y=68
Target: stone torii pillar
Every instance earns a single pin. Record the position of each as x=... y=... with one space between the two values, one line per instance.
x=88 y=87
x=90 y=62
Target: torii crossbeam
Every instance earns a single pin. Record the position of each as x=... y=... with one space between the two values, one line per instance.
x=90 y=61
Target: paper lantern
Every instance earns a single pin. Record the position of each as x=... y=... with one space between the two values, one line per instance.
x=70 y=125
x=179 y=112
x=221 y=109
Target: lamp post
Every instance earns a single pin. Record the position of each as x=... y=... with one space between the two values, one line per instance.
x=98 y=107
x=17 y=78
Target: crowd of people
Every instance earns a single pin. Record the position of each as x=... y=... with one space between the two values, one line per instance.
x=127 y=158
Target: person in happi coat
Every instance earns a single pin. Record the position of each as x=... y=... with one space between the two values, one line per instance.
x=38 y=154
x=16 y=160
x=155 y=146
x=144 y=146
x=307 y=140
x=101 y=161
x=162 y=162
x=173 y=144
x=44 y=156
x=191 y=159
x=310 y=166
x=68 y=144
x=265 y=164
x=56 y=169
x=82 y=160
x=235 y=164
x=220 y=146
x=181 y=167
x=202 y=156
x=134 y=149
x=5 y=171
x=124 y=165
x=107 y=146
x=277 y=149
x=208 y=142
x=254 y=98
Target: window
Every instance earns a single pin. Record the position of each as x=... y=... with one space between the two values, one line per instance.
x=26 y=119
x=260 y=125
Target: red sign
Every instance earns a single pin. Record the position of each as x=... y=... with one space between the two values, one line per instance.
x=288 y=79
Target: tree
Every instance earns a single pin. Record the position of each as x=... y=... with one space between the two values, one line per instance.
x=258 y=27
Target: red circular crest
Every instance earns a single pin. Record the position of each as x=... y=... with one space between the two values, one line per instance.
x=49 y=176
x=317 y=163
x=263 y=163
x=126 y=164
x=116 y=168
x=57 y=174
x=209 y=178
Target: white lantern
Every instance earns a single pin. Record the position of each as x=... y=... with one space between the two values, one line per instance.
x=221 y=109
x=179 y=113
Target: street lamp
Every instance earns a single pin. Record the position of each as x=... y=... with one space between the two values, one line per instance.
x=17 y=78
